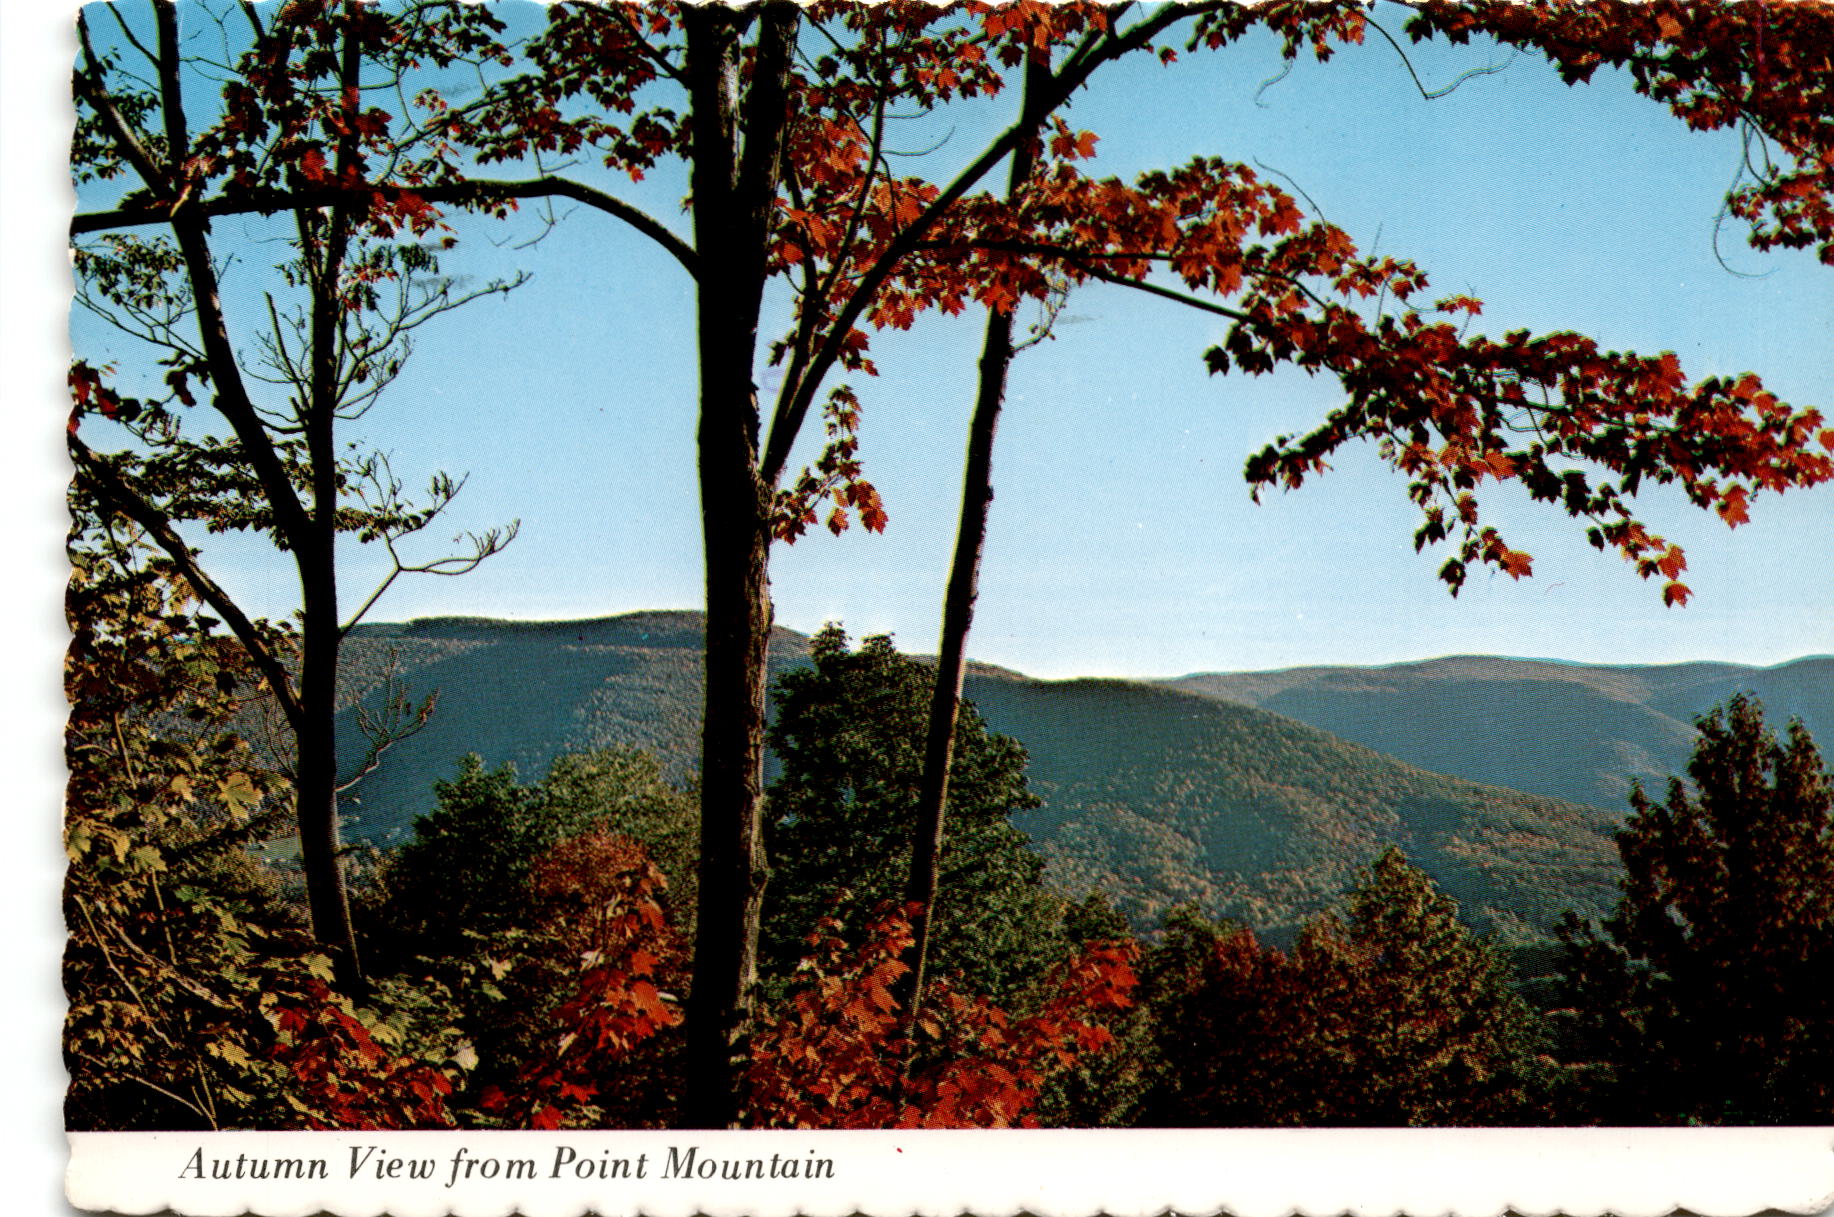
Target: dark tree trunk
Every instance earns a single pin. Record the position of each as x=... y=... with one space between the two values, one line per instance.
x=951 y=660
x=324 y=242
x=958 y=607
x=315 y=779
x=736 y=166
x=732 y=871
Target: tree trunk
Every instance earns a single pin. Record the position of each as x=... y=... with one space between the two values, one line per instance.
x=323 y=244
x=736 y=167
x=732 y=871
x=958 y=607
x=951 y=660
x=315 y=778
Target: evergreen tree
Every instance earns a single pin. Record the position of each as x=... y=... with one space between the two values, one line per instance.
x=465 y=873
x=1708 y=999
x=849 y=733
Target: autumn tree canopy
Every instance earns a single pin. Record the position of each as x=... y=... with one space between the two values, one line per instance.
x=1386 y=1013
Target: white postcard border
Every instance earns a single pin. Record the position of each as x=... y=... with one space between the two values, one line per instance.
x=1125 y=1173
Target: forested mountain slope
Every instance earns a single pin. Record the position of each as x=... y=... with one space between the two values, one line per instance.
x=525 y=692
x=1158 y=795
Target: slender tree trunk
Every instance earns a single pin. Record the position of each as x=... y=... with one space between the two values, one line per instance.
x=736 y=167
x=958 y=607
x=951 y=660
x=324 y=242
x=316 y=774
x=315 y=781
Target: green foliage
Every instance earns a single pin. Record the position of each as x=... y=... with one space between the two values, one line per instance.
x=1439 y=1035
x=849 y=734
x=161 y=907
x=1389 y=1013
x=623 y=791
x=468 y=861
x=1105 y=1090
x=1094 y=919
x=1707 y=998
x=464 y=876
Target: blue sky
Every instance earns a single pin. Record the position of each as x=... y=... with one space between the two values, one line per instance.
x=1123 y=540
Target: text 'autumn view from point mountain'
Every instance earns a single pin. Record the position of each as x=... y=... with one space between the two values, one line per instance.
x=535 y=502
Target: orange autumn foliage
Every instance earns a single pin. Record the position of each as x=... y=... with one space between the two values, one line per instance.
x=832 y=1055
x=596 y=895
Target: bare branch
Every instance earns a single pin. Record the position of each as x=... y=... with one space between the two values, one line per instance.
x=114 y=10
x=95 y=92
x=650 y=51
x=1436 y=94
x=397 y=719
x=1153 y=289
x=380 y=493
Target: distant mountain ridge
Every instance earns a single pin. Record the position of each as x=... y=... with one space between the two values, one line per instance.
x=1568 y=730
x=1156 y=792
x=524 y=692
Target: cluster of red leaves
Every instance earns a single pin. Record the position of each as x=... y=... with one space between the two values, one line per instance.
x=289 y=122
x=1315 y=25
x=1577 y=426
x=598 y=892
x=846 y=233
x=836 y=1055
x=835 y=479
x=605 y=53
x=1552 y=411
x=1768 y=67
x=346 y=1078
x=88 y=391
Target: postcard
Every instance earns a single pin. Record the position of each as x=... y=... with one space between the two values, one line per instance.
x=894 y=608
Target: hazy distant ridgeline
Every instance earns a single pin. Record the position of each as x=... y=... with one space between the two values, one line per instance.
x=1572 y=731
x=526 y=692
x=1153 y=793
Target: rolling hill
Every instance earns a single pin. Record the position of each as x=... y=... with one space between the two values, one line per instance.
x=1159 y=798
x=1571 y=731
x=1158 y=795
